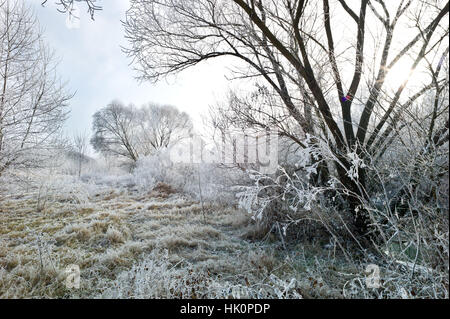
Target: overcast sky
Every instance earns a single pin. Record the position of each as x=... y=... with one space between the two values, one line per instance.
x=95 y=67
x=92 y=62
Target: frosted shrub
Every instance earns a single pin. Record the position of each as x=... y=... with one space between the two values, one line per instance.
x=156 y=277
x=410 y=208
x=158 y=168
x=216 y=182
x=405 y=197
x=211 y=182
x=285 y=197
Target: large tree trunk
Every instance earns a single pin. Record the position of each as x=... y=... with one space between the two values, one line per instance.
x=355 y=198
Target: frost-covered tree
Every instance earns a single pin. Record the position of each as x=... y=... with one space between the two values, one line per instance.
x=33 y=101
x=79 y=145
x=162 y=126
x=323 y=69
x=130 y=132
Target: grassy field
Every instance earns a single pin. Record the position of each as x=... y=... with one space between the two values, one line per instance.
x=130 y=243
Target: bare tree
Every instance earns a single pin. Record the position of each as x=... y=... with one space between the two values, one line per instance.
x=129 y=132
x=161 y=126
x=113 y=131
x=33 y=101
x=80 y=144
x=67 y=6
x=320 y=78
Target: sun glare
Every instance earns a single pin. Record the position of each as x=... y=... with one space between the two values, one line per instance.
x=402 y=71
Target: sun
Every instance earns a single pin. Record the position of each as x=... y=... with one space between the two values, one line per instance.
x=401 y=72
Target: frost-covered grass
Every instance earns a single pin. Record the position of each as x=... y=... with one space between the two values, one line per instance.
x=134 y=243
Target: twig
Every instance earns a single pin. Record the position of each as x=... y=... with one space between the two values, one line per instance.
x=201 y=196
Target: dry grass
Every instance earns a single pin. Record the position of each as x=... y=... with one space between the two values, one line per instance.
x=105 y=234
x=130 y=244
